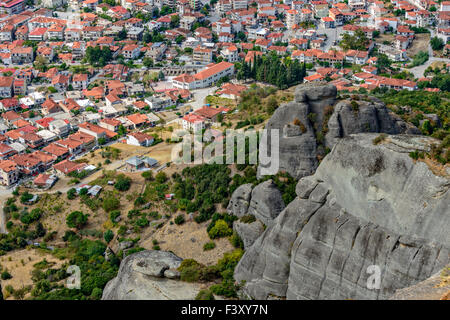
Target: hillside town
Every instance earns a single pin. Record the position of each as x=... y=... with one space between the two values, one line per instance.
x=76 y=75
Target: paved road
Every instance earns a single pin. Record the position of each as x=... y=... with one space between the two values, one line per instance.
x=199 y=97
x=332 y=35
x=419 y=70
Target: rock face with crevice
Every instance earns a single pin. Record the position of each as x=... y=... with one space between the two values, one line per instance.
x=264 y=202
x=150 y=275
x=366 y=205
x=315 y=121
x=368 y=115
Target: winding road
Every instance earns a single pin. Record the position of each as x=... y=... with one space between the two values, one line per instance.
x=419 y=70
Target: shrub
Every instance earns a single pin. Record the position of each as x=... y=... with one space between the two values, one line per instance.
x=205 y=295
x=69 y=236
x=28 y=218
x=71 y=194
x=142 y=222
x=236 y=241
x=25 y=197
x=161 y=177
x=189 y=270
x=147 y=175
x=123 y=182
x=179 y=219
x=113 y=215
x=139 y=201
x=209 y=246
x=379 y=139
x=76 y=219
x=297 y=122
x=249 y=218
x=6 y=275
x=226 y=289
x=108 y=236
x=416 y=155
x=220 y=230
x=96 y=294
x=355 y=106
x=122 y=230
x=110 y=203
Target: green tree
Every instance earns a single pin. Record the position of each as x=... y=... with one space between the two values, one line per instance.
x=71 y=193
x=147 y=175
x=108 y=236
x=122 y=34
x=76 y=219
x=25 y=197
x=98 y=56
x=436 y=43
x=174 y=21
x=358 y=41
x=148 y=62
x=220 y=229
x=110 y=203
x=161 y=177
x=123 y=183
x=122 y=130
x=383 y=62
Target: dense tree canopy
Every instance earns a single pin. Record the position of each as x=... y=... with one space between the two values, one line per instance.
x=98 y=56
x=272 y=69
x=358 y=41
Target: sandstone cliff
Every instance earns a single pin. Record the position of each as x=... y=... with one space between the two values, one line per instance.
x=366 y=205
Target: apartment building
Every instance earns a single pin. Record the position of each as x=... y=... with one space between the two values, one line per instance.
x=204 y=78
x=202 y=55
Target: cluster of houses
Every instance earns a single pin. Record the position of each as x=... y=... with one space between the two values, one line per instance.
x=30 y=145
x=54 y=108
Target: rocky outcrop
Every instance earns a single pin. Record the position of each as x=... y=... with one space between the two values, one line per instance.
x=248 y=232
x=366 y=207
x=266 y=202
x=368 y=115
x=313 y=121
x=149 y=275
x=240 y=200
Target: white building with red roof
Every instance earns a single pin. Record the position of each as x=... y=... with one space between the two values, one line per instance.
x=204 y=78
x=193 y=122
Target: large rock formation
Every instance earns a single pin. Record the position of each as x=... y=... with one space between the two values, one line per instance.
x=248 y=232
x=367 y=114
x=240 y=200
x=264 y=202
x=313 y=122
x=367 y=205
x=150 y=275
